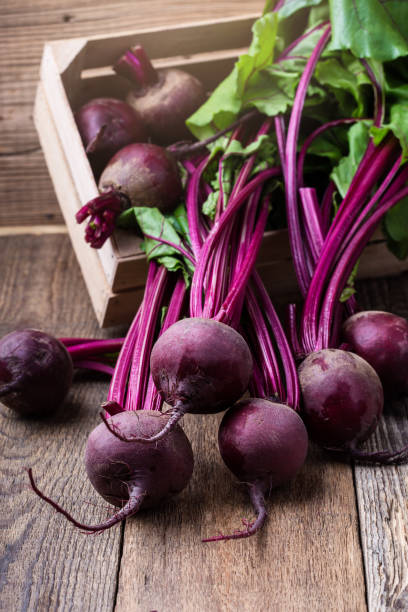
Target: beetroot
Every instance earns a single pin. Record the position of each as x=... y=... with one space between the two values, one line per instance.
x=199 y=366
x=107 y=125
x=35 y=372
x=264 y=444
x=146 y=174
x=164 y=98
x=342 y=398
x=133 y=476
x=140 y=174
x=381 y=338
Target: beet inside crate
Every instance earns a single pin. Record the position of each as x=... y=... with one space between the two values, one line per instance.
x=77 y=70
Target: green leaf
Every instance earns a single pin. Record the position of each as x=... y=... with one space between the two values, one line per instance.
x=219 y=111
x=343 y=173
x=375 y=29
x=291 y=6
x=179 y=221
x=398 y=125
x=152 y=222
x=225 y=103
x=232 y=153
x=396 y=229
x=210 y=204
x=333 y=74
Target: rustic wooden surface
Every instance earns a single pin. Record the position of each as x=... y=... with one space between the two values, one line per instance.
x=336 y=537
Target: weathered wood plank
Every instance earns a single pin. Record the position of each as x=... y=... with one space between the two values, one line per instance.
x=307 y=558
x=382 y=491
x=45 y=563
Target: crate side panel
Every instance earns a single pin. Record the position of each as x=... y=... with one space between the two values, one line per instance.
x=87 y=258
x=185 y=39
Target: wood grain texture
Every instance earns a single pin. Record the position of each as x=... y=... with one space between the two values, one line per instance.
x=45 y=563
x=382 y=492
x=24 y=27
x=307 y=557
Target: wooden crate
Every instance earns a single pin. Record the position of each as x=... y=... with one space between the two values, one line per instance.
x=74 y=71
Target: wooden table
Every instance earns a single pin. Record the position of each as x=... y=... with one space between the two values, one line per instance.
x=336 y=537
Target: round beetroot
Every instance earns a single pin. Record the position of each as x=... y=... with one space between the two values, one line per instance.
x=201 y=365
x=342 y=397
x=263 y=441
x=161 y=470
x=146 y=174
x=164 y=98
x=107 y=125
x=35 y=372
x=165 y=105
x=132 y=475
x=264 y=444
x=381 y=338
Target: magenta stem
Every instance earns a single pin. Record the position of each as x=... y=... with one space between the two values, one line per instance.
x=97 y=366
x=95 y=348
x=136 y=67
x=117 y=389
x=294 y=226
x=153 y=400
x=138 y=376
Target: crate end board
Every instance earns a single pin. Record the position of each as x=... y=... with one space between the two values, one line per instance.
x=99 y=291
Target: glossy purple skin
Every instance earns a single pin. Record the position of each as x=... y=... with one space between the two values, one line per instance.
x=165 y=105
x=40 y=366
x=147 y=174
x=381 y=338
x=202 y=364
x=107 y=125
x=162 y=469
x=263 y=441
x=342 y=397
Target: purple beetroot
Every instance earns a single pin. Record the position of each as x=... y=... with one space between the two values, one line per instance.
x=35 y=372
x=163 y=98
x=381 y=338
x=264 y=444
x=133 y=476
x=107 y=125
x=140 y=174
x=342 y=398
x=199 y=366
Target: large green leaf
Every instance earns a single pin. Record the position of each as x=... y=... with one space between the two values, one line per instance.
x=226 y=102
x=375 y=29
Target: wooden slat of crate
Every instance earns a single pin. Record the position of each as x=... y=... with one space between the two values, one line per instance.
x=108 y=308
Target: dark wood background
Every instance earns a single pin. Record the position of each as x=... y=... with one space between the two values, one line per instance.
x=336 y=538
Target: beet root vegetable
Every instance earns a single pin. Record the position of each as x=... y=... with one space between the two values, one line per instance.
x=342 y=398
x=140 y=174
x=35 y=372
x=381 y=338
x=264 y=444
x=164 y=98
x=106 y=125
x=146 y=173
x=133 y=476
x=199 y=366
